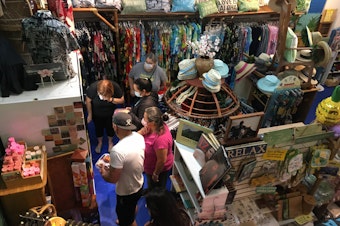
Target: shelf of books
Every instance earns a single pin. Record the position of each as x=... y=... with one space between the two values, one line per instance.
x=191 y=188
x=191 y=164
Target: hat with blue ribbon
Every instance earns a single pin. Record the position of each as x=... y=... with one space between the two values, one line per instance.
x=187 y=69
x=212 y=81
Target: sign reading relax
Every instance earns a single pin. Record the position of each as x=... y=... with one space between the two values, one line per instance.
x=254 y=148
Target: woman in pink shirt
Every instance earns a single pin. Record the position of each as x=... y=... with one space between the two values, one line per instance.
x=159 y=156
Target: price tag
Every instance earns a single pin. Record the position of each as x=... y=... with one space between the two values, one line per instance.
x=274 y=154
x=303 y=219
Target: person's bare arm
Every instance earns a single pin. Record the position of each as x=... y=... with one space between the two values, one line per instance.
x=110 y=174
x=161 y=155
x=117 y=100
x=132 y=91
x=88 y=102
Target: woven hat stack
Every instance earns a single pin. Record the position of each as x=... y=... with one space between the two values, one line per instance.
x=243 y=69
x=262 y=62
x=304 y=55
x=187 y=69
x=221 y=67
x=212 y=81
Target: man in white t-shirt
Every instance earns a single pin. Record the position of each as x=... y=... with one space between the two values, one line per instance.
x=126 y=168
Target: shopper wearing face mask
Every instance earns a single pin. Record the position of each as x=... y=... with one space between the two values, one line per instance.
x=148 y=70
x=159 y=157
x=143 y=90
x=102 y=98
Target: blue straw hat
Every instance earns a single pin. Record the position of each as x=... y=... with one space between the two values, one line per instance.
x=221 y=67
x=268 y=84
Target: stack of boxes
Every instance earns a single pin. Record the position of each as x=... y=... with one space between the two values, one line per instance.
x=82 y=175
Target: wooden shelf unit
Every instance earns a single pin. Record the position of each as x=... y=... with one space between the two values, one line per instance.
x=15 y=201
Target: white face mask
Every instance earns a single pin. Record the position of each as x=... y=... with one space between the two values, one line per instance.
x=101 y=97
x=137 y=94
x=144 y=123
x=148 y=66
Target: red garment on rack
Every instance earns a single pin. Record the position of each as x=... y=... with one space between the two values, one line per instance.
x=63 y=10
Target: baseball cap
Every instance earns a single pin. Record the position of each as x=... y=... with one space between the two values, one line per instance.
x=123 y=120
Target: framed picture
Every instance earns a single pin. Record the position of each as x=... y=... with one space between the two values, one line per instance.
x=189 y=133
x=214 y=171
x=243 y=128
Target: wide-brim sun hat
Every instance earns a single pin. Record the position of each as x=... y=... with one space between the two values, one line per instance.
x=304 y=55
x=276 y=5
x=268 y=84
x=221 y=67
x=243 y=69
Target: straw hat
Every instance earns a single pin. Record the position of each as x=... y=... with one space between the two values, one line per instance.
x=221 y=67
x=187 y=69
x=243 y=69
x=212 y=81
x=304 y=55
x=324 y=52
x=313 y=37
x=303 y=75
x=268 y=84
x=275 y=5
x=316 y=37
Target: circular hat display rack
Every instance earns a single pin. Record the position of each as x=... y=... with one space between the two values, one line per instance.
x=202 y=103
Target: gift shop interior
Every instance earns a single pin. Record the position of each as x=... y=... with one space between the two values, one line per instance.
x=252 y=97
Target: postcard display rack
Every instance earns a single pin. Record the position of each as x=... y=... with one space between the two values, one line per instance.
x=35 y=117
x=187 y=183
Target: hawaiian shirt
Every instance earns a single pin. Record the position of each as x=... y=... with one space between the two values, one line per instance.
x=48 y=40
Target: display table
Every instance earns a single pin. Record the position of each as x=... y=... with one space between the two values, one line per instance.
x=18 y=200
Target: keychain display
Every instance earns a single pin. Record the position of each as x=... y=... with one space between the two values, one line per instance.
x=283 y=105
